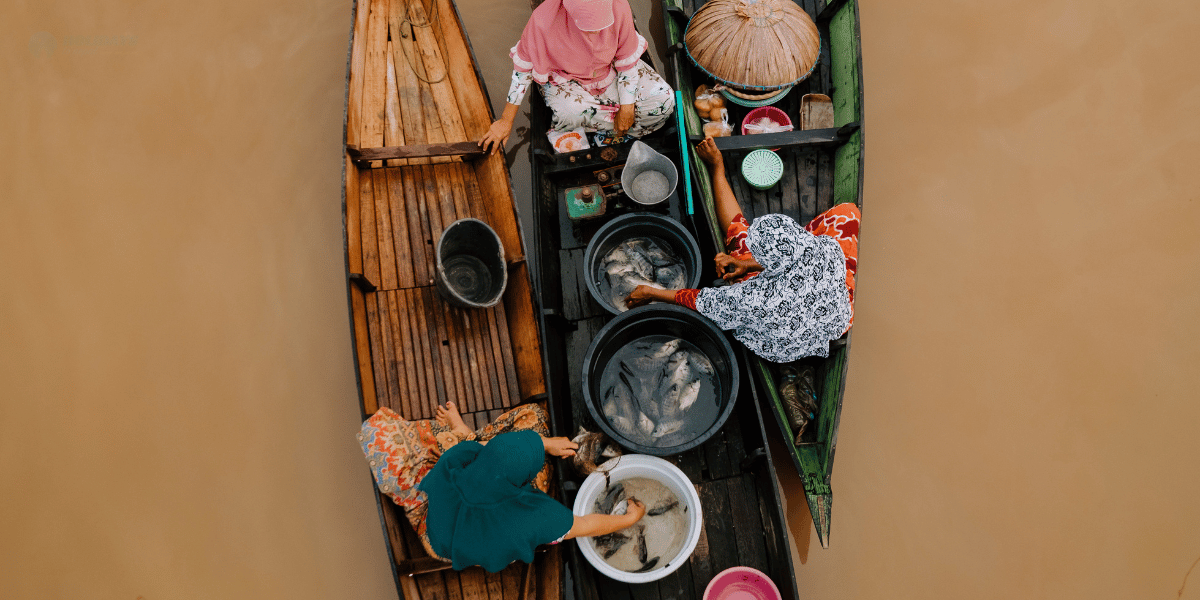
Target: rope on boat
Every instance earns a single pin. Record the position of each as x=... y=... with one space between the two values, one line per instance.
x=429 y=21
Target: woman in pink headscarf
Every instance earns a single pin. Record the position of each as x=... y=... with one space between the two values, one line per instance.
x=586 y=56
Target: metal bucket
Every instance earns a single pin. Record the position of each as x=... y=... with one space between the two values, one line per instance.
x=644 y=160
x=471 y=271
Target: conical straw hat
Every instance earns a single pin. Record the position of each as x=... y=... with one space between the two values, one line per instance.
x=753 y=44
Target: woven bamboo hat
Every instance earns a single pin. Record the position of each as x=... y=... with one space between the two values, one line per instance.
x=758 y=45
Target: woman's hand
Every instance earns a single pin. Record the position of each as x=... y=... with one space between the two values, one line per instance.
x=623 y=120
x=644 y=294
x=708 y=152
x=559 y=446
x=730 y=268
x=496 y=136
x=636 y=509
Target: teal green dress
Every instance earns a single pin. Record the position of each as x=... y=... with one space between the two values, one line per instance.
x=483 y=508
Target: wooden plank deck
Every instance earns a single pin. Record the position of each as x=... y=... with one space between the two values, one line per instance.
x=414 y=104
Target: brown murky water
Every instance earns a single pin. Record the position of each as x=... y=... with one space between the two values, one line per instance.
x=177 y=403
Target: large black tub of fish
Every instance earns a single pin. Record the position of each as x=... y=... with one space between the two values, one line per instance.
x=640 y=249
x=660 y=379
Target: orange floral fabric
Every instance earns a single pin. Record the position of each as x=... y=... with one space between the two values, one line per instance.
x=401 y=452
x=841 y=223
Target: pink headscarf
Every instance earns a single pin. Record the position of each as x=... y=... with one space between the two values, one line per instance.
x=554 y=49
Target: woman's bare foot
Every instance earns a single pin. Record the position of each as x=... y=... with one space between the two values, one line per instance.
x=449 y=417
x=708 y=152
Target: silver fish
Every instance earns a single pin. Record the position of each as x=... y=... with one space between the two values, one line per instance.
x=689 y=395
x=658 y=256
x=646 y=426
x=671 y=277
x=701 y=364
x=665 y=428
x=657 y=357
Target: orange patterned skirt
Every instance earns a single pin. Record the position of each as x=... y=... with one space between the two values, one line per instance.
x=401 y=452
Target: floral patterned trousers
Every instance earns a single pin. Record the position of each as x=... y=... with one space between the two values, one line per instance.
x=575 y=107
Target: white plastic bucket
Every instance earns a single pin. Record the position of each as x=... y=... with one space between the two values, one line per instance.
x=650 y=467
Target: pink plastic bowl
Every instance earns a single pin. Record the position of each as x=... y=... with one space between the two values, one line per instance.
x=769 y=112
x=741 y=583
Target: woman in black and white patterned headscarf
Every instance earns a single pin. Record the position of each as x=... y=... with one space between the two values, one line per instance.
x=792 y=289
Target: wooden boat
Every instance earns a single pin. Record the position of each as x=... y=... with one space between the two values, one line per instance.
x=822 y=167
x=734 y=472
x=415 y=108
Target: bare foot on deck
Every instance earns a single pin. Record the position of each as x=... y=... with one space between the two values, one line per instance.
x=708 y=152
x=448 y=416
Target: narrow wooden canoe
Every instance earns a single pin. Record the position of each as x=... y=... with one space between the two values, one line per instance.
x=822 y=167
x=734 y=471
x=415 y=107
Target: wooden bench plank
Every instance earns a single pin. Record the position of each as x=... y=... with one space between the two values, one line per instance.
x=435 y=333
x=393 y=133
x=401 y=237
x=432 y=586
x=453 y=585
x=358 y=53
x=404 y=153
x=362 y=347
x=406 y=368
x=445 y=104
x=474 y=584
x=824 y=182
x=747 y=524
x=368 y=233
x=806 y=178
x=393 y=398
x=418 y=228
x=378 y=368
x=495 y=586
x=459 y=355
x=434 y=392
x=412 y=115
x=508 y=384
x=383 y=223
x=374 y=94
x=411 y=346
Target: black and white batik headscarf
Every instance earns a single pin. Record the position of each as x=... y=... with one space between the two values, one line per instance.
x=796 y=305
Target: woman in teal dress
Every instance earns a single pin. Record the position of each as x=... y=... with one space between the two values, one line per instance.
x=482 y=501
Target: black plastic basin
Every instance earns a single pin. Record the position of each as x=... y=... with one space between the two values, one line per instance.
x=662 y=229
x=652 y=321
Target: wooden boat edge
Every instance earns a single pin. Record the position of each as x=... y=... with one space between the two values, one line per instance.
x=816 y=481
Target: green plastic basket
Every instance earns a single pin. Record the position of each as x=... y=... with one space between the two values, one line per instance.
x=762 y=169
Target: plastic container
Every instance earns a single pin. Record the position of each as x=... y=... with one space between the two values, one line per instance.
x=742 y=583
x=663 y=229
x=762 y=169
x=471 y=271
x=659 y=320
x=768 y=112
x=649 y=467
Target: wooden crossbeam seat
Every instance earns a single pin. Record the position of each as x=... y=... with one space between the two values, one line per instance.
x=363 y=156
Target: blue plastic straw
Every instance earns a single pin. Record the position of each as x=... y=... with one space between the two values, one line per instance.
x=684 y=149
